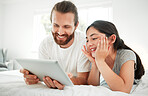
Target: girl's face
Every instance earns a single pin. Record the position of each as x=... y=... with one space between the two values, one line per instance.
x=93 y=37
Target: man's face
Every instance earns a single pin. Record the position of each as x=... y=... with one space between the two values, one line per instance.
x=63 y=27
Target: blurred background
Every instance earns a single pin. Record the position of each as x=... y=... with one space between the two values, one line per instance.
x=24 y=23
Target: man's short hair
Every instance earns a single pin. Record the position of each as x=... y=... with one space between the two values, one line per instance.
x=65 y=7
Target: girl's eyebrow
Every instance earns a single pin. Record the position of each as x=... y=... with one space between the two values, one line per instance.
x=92 y=35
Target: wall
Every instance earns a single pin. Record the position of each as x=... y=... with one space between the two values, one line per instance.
x=1 y=24
x=18 y=26
x=131 y=17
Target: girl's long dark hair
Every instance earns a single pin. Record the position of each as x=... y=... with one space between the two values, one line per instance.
x=108 y=29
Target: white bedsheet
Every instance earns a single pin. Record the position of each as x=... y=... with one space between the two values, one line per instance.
x=12 y=84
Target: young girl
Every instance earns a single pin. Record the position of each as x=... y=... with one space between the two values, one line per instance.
x=118 y=64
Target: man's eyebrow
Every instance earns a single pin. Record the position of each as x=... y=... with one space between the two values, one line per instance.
x=67 y=25
x=55 y=23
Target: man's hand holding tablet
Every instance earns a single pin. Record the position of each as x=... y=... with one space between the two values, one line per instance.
x=31 y=78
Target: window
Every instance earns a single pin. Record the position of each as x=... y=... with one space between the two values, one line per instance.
x=89 y=15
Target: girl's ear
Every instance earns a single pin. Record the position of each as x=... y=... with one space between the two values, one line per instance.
x=112 y=39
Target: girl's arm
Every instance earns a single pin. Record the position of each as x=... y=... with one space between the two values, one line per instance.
x=122 y=82
x=94 y=76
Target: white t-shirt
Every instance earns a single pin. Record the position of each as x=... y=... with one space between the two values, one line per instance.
x=71 y=59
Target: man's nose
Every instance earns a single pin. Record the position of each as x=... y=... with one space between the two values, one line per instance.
x=61 y=31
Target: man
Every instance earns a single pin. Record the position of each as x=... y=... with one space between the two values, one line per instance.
x=64 y=46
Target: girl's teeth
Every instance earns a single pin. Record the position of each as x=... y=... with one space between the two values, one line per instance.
x=92 y=49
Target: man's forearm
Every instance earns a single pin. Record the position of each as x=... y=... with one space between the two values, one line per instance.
x=79 y=80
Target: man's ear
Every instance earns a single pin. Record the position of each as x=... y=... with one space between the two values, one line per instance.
x=76 y=25
x=112 y=39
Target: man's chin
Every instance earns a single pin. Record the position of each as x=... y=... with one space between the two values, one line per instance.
x=61 y=42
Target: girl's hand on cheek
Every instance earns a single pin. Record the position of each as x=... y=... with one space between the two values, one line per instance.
x=102 y=50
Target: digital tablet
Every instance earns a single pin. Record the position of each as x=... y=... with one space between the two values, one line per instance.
x=42 y=67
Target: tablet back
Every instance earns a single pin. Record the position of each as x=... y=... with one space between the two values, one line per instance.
x=42 y=67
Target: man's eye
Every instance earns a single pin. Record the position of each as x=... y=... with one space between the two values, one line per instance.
x=55 y=25
x=67 y=26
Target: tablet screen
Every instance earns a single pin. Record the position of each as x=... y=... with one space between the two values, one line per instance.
x=43 y=67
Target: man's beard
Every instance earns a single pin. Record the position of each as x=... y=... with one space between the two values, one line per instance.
x=61 y=42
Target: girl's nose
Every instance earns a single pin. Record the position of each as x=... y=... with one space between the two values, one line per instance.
x=89 y=43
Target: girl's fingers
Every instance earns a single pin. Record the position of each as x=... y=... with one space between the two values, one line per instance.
x=106 y=42
x=104 y=39
x=101 y=43
x=87 y=50
x=84 y=47
x=86 y=53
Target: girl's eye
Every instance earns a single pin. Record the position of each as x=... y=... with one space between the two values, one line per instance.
x=94 y=38
x=86 y=40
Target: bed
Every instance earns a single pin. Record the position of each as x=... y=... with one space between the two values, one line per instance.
x=12 y=84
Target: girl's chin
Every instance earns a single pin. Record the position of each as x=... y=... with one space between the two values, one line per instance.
x=93 y=54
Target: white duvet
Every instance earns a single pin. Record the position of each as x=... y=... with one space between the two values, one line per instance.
x=12 y=84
